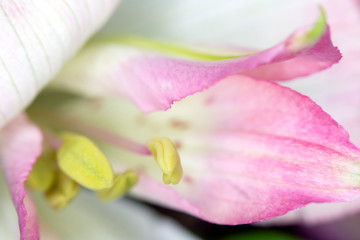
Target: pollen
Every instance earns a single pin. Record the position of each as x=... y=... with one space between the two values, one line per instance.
x=167 y=158
x=122 y=184
x=81 y=160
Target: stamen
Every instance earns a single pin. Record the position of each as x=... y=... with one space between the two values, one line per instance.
x=82 y=161
x=122 y=184
x=42 y=176
x=93 y=131
x=63 y=192
x=114 y=139
x=167 y=158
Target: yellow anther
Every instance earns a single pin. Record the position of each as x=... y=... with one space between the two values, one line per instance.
x=63 y=191
x=122 y=183
x=167 y=158
x=42 y=175
x=82 y=161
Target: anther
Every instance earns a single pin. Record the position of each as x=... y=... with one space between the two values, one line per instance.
x=167 y=157
x=63 y=192
x=42 y=176
x=82 y=161
x=122 y=183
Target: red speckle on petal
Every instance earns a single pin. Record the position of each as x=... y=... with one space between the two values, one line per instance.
x=187 y=179
x=179 y=124
x=208 y=101
x=177 y=144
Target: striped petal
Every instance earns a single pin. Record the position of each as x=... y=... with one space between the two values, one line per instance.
x=37 y=37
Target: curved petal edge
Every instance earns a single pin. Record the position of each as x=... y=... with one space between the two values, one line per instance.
x=20 y=145
x=153 y=81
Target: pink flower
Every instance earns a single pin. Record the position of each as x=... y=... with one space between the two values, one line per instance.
x=250 y=149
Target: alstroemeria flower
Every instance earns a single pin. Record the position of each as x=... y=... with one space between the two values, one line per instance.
x=335 y=90
x=249 y=149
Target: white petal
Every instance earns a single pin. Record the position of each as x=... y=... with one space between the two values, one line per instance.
x=37 y=37
x=88 y=218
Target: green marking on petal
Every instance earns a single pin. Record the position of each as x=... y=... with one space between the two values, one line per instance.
x=166 y=48
x=318 y=28
x=310 y=37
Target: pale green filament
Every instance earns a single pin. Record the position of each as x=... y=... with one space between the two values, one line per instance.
x=42 y=176
x=82 y=161
x=167 y=157
x=122 y=183
x=63 y=192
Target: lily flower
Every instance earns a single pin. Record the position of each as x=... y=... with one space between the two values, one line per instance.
x=238 y=148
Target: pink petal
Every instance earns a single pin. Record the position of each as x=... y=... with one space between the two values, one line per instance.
x=21 y=144
x=153 y=82
x=253 y=150
x=337 y=91
x=317 y=213
x=310 y=61
x=37 y=37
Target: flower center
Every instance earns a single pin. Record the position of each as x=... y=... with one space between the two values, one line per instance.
x=76 y=161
